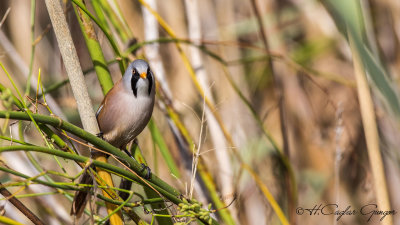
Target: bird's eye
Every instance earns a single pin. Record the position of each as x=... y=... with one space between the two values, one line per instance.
x=135 y=73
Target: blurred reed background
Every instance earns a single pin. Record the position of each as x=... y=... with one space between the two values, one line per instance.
x=281 y=126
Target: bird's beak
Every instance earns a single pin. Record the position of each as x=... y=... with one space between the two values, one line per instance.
x=143 y=75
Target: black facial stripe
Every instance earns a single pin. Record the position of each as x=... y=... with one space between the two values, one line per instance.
x=150 y=78
x=134 y=81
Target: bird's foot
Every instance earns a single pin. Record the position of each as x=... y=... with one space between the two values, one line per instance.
x=148 y=171
x=128 y=153
x=100 y=135
x=144 y=167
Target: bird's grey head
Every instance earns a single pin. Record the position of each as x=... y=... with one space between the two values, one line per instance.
x=138 y=78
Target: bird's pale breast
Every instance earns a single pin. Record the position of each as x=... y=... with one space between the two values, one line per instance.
x=125 y=117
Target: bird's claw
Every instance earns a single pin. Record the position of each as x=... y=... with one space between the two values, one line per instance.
x=100 y=135
x=144 y=167
x=148 y=171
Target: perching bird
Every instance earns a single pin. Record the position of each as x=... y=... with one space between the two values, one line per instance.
x=127 y=107
x=124 y=113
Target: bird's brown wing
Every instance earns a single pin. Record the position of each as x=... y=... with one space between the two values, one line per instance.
x=109 y=109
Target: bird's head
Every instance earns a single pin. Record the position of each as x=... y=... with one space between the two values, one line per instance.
x=138 y=78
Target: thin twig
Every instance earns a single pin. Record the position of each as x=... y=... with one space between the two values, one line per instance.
x=116 y=159
x=196 y=153
x=338 y=155
x=216 y=134
x=20 y=206
x=279 y=95
x=16 y=58
x=5 y=16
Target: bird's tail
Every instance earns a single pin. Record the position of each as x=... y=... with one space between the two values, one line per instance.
x=82 y=196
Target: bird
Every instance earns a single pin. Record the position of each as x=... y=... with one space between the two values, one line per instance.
x=122 y=115
x=127 y=107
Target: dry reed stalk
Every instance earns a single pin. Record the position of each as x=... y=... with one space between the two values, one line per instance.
x=221 y=154
x=79 y=89
x=371 y=132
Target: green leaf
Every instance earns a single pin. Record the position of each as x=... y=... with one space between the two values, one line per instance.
x=349 y=20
